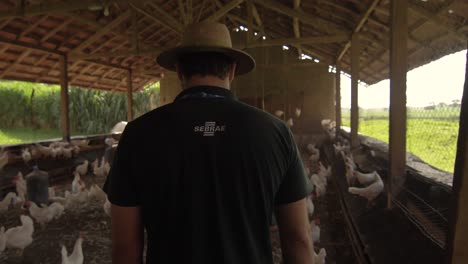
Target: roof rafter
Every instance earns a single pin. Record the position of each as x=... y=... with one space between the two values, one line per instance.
x=45 y=8
x=296 y=29
x=105 y=30
x=224 y=10
x=358 y=27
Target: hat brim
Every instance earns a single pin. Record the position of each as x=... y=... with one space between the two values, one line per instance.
x=168 y=59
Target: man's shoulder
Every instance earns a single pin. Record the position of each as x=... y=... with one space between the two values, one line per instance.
x=156 y=115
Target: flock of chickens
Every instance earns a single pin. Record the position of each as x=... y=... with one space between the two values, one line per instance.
x=78 y=195
x=370 y=184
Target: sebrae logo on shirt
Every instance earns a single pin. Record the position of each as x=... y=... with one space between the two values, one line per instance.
x=209 y=129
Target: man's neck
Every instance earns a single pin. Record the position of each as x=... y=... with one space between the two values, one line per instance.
x=208 y=80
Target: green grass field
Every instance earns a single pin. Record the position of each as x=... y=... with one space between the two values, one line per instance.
x=434 y=141
x=23 y=135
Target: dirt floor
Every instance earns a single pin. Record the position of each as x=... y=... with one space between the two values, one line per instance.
x=89 y=218
x=46 y=246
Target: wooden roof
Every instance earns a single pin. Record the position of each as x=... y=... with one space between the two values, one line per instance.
x=104 y=39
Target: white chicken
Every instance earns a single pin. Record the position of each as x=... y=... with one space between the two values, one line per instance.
x=45 y=214
x=100 y=170
x=55 y=152
x=2 y=239
x=320 y=184
x=75 y=199
x=350 y=177
x=21 y=236
x=76 y=150
x=80 y=142
x=315 y=230
x=279 y=113
x=44 y=151
x=119 y=127
x=324 y=171
x=95 y=192
x=341 y=148
x=109 y=141
x=297 y=112
x=76 y=256
x=21 y=188
x=315 y=156
x=311 y=148
x=290 y=122
x=370 y=192
x=5 y=203
x=107 y=207
x=310 y=205
x=67 y=153
x=26 y=155
x=365 y=178
x=329 y=127
x=320 y=257
x=51 y=191
x=78 y=185
x=82 y=169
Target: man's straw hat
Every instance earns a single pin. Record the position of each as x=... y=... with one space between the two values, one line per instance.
x=206 y=37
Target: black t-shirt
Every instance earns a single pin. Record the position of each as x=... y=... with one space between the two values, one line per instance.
x=207 y=171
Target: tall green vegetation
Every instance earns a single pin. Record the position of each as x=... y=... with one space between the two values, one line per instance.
x=30 y=105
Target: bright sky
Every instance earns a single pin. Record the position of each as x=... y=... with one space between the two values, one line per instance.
x=439 y=81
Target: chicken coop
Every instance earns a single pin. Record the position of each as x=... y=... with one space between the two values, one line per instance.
x=368 y=204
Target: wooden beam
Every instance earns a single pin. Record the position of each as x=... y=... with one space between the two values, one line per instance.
x=298 y=41
x=355 y=70
x=64 y=100
x=105 y=30
x=359 y=26
x=16 y=62
x=189 y=12
x=398 y=69
x=202 y=8
x=134 y=30
x=129 y=96
x=338 y=97
x=163 y=18
x=458 y=214
x=56 y=29
x=437 y=21
x=296 y=29
x=182 y=12
x=29 y=46
x=250 y=33
x=33 y=26
x=224 y=10
x=314 y=21
x=47 y=8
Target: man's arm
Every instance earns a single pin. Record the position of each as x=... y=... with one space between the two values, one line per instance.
x=294 y=229
x=127 y=235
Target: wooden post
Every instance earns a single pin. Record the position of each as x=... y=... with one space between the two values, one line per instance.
x=398 y=69
x=457 y=238
x=129 y=96
x=338 y=97
x=64 y=101
x=355 y=52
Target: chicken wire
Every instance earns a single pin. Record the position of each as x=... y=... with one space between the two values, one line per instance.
x=431 y=135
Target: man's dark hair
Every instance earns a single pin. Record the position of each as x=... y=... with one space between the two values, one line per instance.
x=205 y=63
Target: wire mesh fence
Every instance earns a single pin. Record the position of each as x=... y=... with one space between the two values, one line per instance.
x=432 y=131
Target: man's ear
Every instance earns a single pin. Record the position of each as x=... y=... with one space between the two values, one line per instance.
x=232 y=72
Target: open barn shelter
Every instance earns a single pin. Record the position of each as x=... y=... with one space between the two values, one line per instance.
x=301 y=47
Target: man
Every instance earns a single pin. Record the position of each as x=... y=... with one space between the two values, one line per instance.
x=203 y=175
